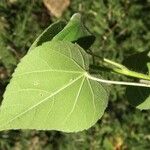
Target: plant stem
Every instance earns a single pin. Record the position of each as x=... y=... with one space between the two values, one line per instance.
x=115 y=64
x=117 y=82
x=121 y=69
x=131 y=73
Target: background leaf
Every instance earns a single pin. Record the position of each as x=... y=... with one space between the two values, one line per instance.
x=48 y=33
x=139 y=96
x=53 y=93
x=75 y=31
x=138 y=62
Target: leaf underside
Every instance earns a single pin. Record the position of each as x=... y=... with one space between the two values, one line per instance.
x=50 y=91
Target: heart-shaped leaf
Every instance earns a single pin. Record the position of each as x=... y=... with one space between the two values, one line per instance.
x=50 y=90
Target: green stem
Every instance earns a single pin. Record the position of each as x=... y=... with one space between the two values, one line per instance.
x=121 y=69
x=131 y=73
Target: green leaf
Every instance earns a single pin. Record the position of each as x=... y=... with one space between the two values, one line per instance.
x=75 y=31
x=138 y=62
x=139 y=96
x=50 y=91
x=48 y=34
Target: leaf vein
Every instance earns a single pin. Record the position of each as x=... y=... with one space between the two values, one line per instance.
x=39 y=103
x=94 y=106
x=76 y=100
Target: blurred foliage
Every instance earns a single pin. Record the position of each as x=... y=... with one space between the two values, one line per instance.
x=6 y=56
x=122 y=28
